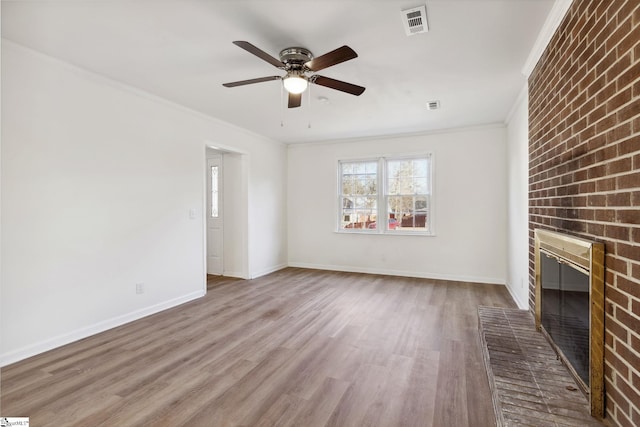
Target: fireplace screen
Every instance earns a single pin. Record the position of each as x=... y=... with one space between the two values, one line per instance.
x=569 y=307
x=565 y=310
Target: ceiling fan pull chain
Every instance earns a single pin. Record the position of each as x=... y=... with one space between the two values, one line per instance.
x=309 y=107
x=281 y=105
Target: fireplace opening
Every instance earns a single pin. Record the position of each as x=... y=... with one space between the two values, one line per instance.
x=569 y=307
x=565 y=311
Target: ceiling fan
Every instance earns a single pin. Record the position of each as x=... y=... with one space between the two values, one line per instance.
x=297 y=62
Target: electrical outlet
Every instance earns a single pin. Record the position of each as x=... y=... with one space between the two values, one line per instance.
x=139 y=288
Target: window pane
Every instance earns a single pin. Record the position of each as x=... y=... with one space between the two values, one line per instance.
x=421 y=203
x=214 y=192
x=400 y=175
x=365 y=203
x=361 y=186
x=371 y=168
x=420 y=167
x=392 y=168
x=401 y=205
x=393 y=186
x=406 y=185
x=370 y=185
x=410 y=212
x=359 y=218
x=371 y=203
x=420 y=185
x=359 y=178
x=347 y=186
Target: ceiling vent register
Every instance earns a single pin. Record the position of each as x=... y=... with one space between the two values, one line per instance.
x=415 y=20
x=433 y=105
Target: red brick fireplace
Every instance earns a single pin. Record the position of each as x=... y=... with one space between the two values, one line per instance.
x=584 y=169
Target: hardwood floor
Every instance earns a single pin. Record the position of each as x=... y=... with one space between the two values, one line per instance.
x=294 y=348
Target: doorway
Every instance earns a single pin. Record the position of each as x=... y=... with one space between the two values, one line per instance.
x=226 y=212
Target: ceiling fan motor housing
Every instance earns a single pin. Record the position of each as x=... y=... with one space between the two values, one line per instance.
x=295 y=57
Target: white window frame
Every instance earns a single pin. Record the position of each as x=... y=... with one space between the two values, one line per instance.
x=383 y=196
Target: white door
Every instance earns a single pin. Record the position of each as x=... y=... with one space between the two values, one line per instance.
x=214 y=216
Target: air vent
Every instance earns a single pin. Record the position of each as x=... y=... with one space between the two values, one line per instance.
x=415 y=20
x=433 y=105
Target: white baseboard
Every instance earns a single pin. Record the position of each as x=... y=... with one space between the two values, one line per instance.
x=522 y=305
x=418 y=274
x=78 y=334
x=236 y=274
x=270 y=270
x=255 y=274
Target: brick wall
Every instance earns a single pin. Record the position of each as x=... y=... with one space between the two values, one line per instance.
x=584 y=168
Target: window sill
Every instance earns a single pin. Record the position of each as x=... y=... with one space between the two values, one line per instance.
x=393 y=233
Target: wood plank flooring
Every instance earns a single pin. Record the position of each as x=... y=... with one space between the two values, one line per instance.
x=294 y=348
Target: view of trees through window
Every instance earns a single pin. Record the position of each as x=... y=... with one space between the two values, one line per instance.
x=407 y=192
x=359 y=182
x=400 y=186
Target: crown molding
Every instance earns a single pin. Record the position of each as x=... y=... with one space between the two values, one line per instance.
x=551 y=24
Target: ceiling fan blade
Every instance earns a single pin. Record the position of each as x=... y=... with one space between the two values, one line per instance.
x=251 y=81
x=295 y=100
x=259 y=53
x=334 y=57
x=337 y=85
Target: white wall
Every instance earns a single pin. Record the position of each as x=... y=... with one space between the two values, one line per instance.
x=267 y=212
x=518 y=179
x=235 y=220
x=470 y=202
x=97 y=183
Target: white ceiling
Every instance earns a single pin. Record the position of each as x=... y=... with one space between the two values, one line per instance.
x=470 y=60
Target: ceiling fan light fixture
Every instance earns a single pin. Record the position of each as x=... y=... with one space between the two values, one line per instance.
x=296 y=62
x=295 y=83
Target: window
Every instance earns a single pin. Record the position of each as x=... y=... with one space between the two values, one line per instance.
x=214 y=192
x=359 y=199
x=386 y=195
x=407 y=193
